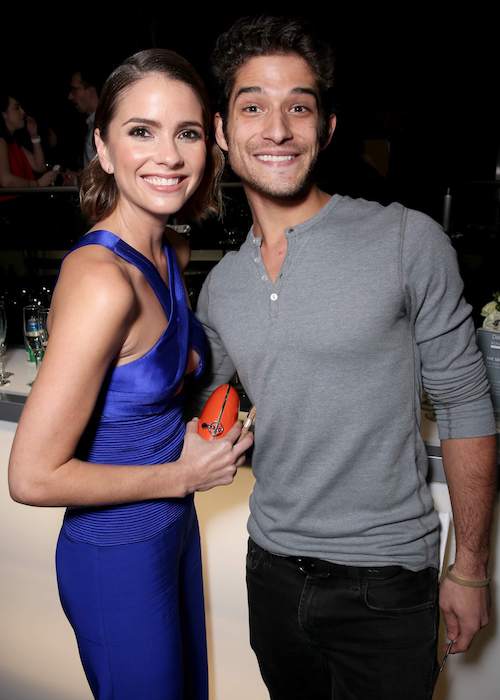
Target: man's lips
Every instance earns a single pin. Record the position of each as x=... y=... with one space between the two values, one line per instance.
x=276 y=157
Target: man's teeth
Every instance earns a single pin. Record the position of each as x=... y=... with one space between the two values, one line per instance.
x=275 y=159
x=163 y=180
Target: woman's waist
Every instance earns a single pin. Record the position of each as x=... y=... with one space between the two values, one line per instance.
x=124 y=523
x=133 y=439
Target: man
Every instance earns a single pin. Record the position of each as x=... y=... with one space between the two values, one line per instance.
x=84 y=94
x=336 y=313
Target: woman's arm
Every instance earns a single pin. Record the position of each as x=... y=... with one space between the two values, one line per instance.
x=37 y=158
x=93 y=307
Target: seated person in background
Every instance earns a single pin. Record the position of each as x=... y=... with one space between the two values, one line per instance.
x=18 y=165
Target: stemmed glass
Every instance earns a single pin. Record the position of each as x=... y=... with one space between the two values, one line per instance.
x=43 y=316
x=3 y=347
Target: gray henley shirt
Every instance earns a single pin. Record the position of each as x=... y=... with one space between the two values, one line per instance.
x=366 y=312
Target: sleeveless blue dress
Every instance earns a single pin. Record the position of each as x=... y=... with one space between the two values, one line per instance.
x=129 y=575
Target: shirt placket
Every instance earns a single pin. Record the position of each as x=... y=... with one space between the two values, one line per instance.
x=273 y=289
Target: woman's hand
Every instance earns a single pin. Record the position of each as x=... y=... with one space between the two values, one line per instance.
x=205 y=464
x=47 y=178
x=32 y=127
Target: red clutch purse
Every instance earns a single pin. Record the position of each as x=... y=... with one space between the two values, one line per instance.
x=220 y=413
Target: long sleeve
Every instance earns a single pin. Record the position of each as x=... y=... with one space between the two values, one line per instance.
x=452 y=367
x=220 y=367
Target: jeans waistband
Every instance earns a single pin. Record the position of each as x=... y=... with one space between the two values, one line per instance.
x=310 y=566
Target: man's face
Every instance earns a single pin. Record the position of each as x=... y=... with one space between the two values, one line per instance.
x=79 y=94
x=271 y=133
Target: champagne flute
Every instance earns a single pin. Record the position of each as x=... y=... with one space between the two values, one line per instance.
x=3 y=347
x=43 y=315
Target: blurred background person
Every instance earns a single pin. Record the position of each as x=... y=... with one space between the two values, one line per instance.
x=19 y=166
x=84 y=91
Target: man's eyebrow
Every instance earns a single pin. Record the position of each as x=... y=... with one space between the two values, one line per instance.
x=247 y=90
x=252 y=89
x=305 y=91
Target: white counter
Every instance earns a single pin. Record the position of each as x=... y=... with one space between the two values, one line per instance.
x=38 y=655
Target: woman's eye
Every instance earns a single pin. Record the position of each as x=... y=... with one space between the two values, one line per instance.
x=190 y=135
x=139 y=131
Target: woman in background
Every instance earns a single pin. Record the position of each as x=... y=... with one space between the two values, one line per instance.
x=18 y=165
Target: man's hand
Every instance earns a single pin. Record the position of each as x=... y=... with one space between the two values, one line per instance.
x=465 y=611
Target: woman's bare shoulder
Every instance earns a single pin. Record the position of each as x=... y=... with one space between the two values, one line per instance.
x=95 y=276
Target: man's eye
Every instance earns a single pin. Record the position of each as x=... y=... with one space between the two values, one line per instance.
x=300 y=109
x=251 y=108
x=140 y=131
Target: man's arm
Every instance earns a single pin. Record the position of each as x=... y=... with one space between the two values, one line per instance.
x=454 y=377
x=470 y=466
x=220 y=367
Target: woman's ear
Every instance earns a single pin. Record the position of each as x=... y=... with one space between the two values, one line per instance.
x=102 y=152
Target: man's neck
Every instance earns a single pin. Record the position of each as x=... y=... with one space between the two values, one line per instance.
x=273 y=216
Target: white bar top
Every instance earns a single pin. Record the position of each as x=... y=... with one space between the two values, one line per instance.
x=16 y=361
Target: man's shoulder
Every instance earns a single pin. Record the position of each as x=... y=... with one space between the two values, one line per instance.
x=413 y=224
x=357 y=210
x=422 y=233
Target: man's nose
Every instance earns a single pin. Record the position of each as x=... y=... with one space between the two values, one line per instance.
x=277 y=128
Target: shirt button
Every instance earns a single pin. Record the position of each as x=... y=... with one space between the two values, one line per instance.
x=273 y=296
x=256 y=259
x=263 y=278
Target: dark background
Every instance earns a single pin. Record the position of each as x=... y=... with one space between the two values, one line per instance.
x=427 y=84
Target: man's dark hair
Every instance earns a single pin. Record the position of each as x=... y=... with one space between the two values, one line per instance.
x=265 y=36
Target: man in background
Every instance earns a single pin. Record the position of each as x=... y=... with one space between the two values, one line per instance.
x=84 y=91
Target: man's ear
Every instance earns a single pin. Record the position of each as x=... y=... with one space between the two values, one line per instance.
x=102 y=152
x=332 y=123
x=219 y=132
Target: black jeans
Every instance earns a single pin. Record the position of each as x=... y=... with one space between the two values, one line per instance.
x=322 y=631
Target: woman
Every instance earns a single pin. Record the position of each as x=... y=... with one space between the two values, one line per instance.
x=17 y=164
x=108 y=396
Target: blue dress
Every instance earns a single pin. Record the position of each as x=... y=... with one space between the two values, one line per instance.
x=129 y=575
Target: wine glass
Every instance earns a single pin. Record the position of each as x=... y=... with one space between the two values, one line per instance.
x=3 y=347
x=43 y=315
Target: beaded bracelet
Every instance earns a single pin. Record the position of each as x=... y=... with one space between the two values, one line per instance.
x=468 y=582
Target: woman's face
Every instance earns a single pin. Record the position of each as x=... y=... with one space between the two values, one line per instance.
x=14 y=115
x=155 y=145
